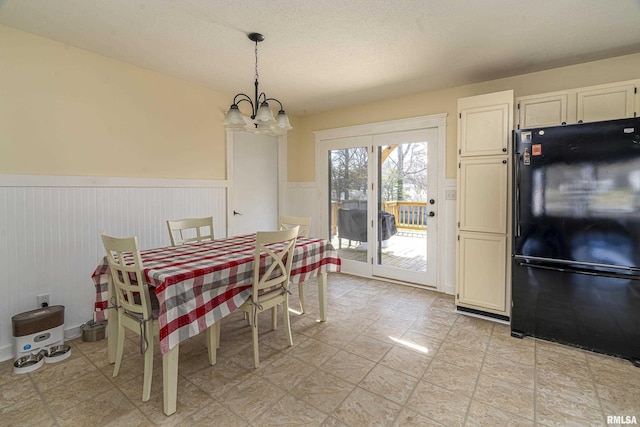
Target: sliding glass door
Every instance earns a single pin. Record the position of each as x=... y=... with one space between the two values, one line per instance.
x=381 y=204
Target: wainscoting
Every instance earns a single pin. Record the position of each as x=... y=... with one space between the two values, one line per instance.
x=50 y=234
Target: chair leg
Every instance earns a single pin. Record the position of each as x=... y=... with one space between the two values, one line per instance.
x=274 y=317
x=286 y=320
x=254 y=333
x=148 y=363
x=212 y=342
x=119 y=349
x=301 y=296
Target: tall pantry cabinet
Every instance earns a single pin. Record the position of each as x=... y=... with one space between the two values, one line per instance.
x=484 y=204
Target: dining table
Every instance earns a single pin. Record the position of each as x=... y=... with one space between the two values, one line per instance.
x=198 y=284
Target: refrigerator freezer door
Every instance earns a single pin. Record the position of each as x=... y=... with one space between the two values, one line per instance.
x=592 y=312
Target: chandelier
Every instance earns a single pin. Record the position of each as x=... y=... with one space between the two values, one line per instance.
x=261 y=114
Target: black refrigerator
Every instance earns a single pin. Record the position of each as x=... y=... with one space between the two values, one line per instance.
x=576 y=236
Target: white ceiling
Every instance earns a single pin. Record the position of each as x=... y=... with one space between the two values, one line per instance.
x=323 y=54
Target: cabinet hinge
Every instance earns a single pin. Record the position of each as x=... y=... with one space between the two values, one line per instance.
x=372 y=186
x=635 y=90
x=460 y=115
x=458 y=165
x=458 y=224
x=518 y=126
x=458 y=238
x=457 y=296
x=518 y=105
x=460 y=151
x=371 y=223
x=371 y=260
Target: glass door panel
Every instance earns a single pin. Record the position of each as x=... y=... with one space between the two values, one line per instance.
x=406 y=235
x=348 y=211
x=403 y=205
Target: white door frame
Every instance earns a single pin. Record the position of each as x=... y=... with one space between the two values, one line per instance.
x=282 y=177
x=323 y=138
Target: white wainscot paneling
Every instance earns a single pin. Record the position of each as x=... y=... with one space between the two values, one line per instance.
x=450 y=236
x=50 y=236
x=302 y=201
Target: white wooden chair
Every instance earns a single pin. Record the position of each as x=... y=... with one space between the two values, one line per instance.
x=304 y=222
x=190 y=230
x=270 y=285
x=138 y=306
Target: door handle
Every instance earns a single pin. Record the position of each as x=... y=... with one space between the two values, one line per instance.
x=432 y=214
x=236 y=213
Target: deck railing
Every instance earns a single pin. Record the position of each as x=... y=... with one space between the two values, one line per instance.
x=409 y=215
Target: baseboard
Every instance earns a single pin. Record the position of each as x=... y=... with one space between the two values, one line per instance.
x=6 y=353
x=498 y=318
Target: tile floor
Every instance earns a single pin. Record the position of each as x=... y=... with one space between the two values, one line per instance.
x=389 y=355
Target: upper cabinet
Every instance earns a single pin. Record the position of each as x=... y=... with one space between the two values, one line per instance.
x=546 y=110
x=606 y=103
x=588 y=104
x=484 y=130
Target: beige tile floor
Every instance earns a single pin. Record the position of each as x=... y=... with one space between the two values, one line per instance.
x=389 y=355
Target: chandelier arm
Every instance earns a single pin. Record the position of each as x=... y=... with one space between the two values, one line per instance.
x=273 y=99
x=246 y=98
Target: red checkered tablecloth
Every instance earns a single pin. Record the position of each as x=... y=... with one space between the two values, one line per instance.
x=199 y=284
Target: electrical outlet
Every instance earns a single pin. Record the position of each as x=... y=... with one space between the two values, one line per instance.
x=450 y=194
x=43 y=300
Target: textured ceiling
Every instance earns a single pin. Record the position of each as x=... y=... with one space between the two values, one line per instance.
x=324 y=54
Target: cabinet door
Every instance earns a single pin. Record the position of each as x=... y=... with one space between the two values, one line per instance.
x=482 y=281
x=483 y=194
x=485 y=130
x=539 y=111
x=606 y=103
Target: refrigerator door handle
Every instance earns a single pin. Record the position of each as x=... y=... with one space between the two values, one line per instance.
x=516 y=168
x=577 y=270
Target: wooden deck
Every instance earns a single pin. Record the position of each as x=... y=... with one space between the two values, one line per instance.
x=405 y=250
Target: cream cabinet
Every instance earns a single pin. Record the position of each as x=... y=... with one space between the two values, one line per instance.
x=484 y=185
x=545 y=110
x=483 y=281
x=607 y=102
x=483 y=209
x=484 y=130
x=587 y=104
